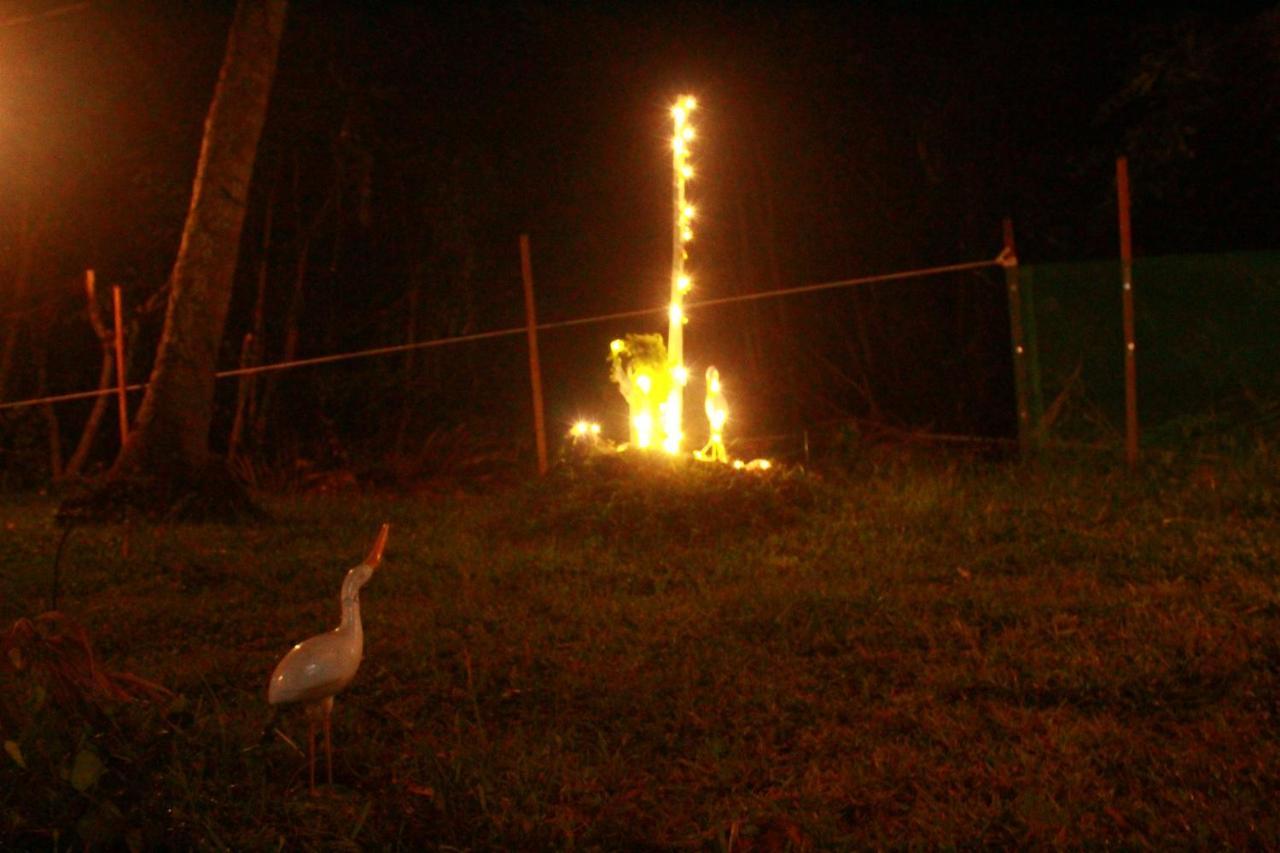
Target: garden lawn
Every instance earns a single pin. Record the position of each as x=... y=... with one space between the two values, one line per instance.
x=905 y=651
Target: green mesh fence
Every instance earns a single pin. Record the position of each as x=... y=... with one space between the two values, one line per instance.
x=1208 y=348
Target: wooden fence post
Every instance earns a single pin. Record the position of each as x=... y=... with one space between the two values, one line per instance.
x=1130 y=345
x=1009 y=260
x=120 y=383
x=535 y=370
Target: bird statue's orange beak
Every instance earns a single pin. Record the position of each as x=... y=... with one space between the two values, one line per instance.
x=375 y=553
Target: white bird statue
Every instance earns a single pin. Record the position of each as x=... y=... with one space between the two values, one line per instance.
x=317 y=668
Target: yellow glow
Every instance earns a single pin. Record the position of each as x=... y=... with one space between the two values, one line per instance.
x=671 y=434
x=643 y=423
x=670 y=410
x=739 y=464
x=649 y=371
x=717 y=412
x=677 y=377
x=582 y=429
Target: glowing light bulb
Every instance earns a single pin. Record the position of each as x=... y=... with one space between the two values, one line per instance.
x=643 y=423
x=690 y=102
x=681 y=374
x=688 y=211
x=686 y=171
x=686 y=234
x=679 y=113
x=644 y=383
x=583 y=428
x=678 y=145
x=688 y=133
x=717 y=413
x=617 y=346
x=683 y=283
x=676 y=313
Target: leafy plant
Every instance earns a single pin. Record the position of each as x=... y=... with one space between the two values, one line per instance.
x=61 y=722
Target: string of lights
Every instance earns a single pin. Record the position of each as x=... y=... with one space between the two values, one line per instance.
x=672 y=411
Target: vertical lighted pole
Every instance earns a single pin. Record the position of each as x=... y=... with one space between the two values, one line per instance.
x=682 y=233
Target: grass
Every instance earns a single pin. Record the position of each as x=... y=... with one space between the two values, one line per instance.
x=927 y=651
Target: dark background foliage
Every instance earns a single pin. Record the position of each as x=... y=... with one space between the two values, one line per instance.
x=408 y=146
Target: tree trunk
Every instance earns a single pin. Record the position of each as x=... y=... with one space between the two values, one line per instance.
x=410 y=365
x=786 y=347
x=85 y=446
x=168 y=450
x=75 y=465
x=18 y=296
x=243 y=389
x=305 y=233
x=251 y=349
x=292 y=320
x=50 y=415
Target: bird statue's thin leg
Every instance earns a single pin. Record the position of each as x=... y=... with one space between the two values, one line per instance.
x=311 y=751
x=317 y=716
x=328 y=746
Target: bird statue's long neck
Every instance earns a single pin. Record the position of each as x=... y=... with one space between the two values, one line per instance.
x=351 y=603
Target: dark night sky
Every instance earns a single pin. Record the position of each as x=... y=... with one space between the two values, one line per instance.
x=886 y=137
x=835 y=140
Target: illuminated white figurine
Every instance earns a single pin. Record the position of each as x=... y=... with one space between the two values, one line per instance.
x=717 y=414
x=317 y=668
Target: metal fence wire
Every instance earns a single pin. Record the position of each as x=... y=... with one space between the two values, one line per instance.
x=1208 y=350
